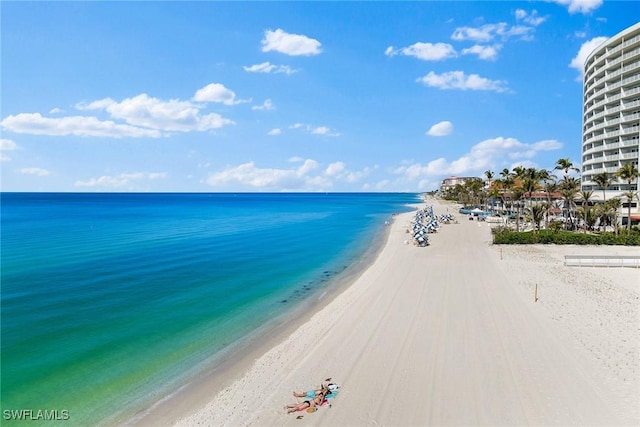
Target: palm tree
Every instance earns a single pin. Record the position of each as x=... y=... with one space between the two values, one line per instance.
x=519 y=171
x=474 y=188
x=557 y=205
x=518 y=174
x=569 y=190
x=536 y=213
x=604 y=180
x=461 y=195
x=494 y=194
x=506 y=182
x=530 y=182
x=602 y=212
x=589 y=216
x=565 y=165
x=611 y=210
x=489 y=174
x=550 y=186
x=586 y=197
x=629 y=173
x=630 y=195
x=517 y=196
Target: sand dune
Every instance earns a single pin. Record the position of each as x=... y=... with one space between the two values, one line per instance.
x=451 y=335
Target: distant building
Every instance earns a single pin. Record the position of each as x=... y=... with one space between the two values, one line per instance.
x=452 y=181
x=611 y=114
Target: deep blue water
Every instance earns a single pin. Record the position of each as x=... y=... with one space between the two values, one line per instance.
x=107 y=299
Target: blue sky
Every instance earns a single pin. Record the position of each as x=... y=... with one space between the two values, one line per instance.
x=290 y=96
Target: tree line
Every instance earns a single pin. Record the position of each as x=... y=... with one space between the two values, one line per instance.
x=514 y=190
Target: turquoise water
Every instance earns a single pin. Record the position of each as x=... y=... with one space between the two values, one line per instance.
x=108 y=299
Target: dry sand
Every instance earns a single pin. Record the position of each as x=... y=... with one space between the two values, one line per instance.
x=450 y=335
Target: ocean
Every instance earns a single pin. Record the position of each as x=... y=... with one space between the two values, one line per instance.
x=111 y=301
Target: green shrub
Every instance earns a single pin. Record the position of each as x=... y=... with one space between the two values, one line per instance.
x=555 y=226
x=506 y=236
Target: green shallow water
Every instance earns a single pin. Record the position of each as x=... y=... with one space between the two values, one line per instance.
x=110 y=301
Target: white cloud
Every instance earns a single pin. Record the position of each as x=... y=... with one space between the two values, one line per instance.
x=424 y=51
x=486 y=154
x=173 y=115
x=357 y=175
x=6 y=145
x=483 y=52
x=585 y=50
x=121 y=180
x=275 y=131
x=34 y=171
x=488 y=32
x=290 y=44
x=530 y=18
x=325 y=131
x=459 y=80
x=56 y=111
x=136 y=117
x=441 y=129
x=267 y=67
x=249 y=175
x=35 y=124
x=266 y=105
x=101 y=104
x=315 y=130
x=335 y=168
x=217 y=92
x=582 y=6
x=339 y=171
x=304 y=175
x=484 y=33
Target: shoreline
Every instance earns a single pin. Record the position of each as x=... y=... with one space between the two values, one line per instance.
x=450 y=335
x=213 y=378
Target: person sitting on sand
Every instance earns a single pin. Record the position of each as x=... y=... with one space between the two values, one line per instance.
x=310 y=403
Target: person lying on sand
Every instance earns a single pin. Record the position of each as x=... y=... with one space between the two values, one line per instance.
x=313 y=393
x=310 y=403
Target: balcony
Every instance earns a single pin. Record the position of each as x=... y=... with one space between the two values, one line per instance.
x=616 y=49
x=630 y=104
x=595 y=161
x=592 y=139
x=624 y=82
x=625 y=56
x=629 y=117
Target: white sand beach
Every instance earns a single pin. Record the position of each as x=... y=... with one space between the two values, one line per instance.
x=451 y=335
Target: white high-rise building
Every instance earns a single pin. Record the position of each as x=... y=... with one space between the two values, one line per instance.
x=611 y=115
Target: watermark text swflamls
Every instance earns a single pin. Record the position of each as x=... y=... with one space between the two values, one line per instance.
x=35 y=414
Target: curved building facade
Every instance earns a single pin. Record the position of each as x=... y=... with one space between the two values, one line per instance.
x=611 y=114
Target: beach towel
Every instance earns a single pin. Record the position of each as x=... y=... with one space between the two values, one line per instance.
x=333 y=390
x=314 y=409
